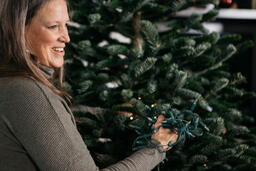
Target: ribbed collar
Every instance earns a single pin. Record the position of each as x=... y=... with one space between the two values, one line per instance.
x=48 y=71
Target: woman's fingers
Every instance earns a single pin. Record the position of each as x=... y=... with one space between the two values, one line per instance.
x=173 y=139
x=159 y=121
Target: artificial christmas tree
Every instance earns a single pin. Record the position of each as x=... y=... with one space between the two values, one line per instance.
x=121 y=63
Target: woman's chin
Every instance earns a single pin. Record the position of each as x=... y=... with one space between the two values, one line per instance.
x=57 y=64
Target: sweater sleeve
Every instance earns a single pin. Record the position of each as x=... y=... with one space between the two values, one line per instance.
x=44 y=127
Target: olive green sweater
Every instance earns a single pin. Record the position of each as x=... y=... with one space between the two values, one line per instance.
x=38 y=132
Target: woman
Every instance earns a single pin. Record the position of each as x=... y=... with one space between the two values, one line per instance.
x=37 y=128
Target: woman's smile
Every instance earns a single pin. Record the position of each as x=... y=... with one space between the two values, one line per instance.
x=59 y=51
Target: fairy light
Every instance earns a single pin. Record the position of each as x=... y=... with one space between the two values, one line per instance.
x=153 y=105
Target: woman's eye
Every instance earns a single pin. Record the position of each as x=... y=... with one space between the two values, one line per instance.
x=52 y=27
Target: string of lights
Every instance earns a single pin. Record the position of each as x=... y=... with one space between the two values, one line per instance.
x=183 y=127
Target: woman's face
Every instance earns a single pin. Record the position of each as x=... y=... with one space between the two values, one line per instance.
x=47 y=33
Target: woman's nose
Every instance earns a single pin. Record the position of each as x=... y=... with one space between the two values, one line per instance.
x=64 y=36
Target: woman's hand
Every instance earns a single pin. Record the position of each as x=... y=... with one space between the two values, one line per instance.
x=164 y=135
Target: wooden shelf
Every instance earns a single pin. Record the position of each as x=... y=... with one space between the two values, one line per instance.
x=234 y=14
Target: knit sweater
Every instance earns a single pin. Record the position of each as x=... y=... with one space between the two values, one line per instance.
x=38 y=132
